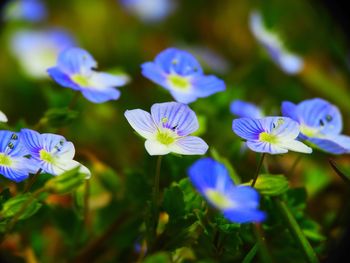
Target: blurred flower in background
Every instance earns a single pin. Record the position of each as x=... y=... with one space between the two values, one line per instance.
x=320 y=123
x=36 y=51
x=27 y=10
x=287 y=61
x=180 y=73
x=3 y=117
x=149 y=10
x=74 y=70
x=244 y=109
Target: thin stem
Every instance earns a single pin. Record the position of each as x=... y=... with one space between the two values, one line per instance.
x=258 y=169
x=32 y=181
x=156 y=192
x=263 y=251
x=296 y=231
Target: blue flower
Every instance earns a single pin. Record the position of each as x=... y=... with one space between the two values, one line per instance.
x=288 y=62
x=149 y=10
x=13 y=163
x=52 y=153
x=36 y=51
x=239 y=204
x=244 y=109
x=274 y=135
x=181 y=74
x=28 y=10
x=167 y=129
x=3 y=117
x=320 y=123
x=75 y=70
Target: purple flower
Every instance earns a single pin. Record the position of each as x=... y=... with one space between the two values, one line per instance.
x=239 y=204
x=28 y=10
x=244 y=109
x=180 y=73
x=13 y=163
x=320 y=123
x=75 y=70
x=167 y=129
x=274 y=135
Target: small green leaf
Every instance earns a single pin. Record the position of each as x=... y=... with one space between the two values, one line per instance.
x=271 y=184
x=23 y=203
x=66 y=182
x=160 y=257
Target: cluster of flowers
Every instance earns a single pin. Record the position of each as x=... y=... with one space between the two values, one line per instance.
x=29 y=152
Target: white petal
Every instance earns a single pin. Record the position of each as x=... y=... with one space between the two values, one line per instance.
x=295 y=146
x=142 y=122
x=189 y=145
x=3 y=117
x=154 y=147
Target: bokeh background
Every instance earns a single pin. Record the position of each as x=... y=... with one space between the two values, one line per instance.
x=218 y=34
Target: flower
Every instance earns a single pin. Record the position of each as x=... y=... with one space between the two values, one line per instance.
x=149 y=10
x=52 y=153
x=245 y=109
x=3 y=117
x=180 y=73
x=167 y=129
x=272 y=135
x=36 y=51
x=13 y=163
x=28 y=10
x=320 y=123
x=239 y=204
x=75 y=70
x=288 y=62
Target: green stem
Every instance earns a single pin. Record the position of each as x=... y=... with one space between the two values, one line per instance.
x=263 y=251
x=258 y=169
x=296 y=231
x=156 y=196
x=86 y=202
x=32 y=181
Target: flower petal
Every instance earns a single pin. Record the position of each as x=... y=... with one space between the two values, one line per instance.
x=32 y=140
x=100 y=96
x=3 y=117
x=189 y=145
x=153 y=72
x=248 y=129
x=244 y=109
x=100 y=80
x=175 y=116
x=285 y=128
x=204 y=86
x=75 y=61
x=289 y=110
x=183 y=97
x=61 y=78
x=142 y=122
x=244 y=215
x=338 y=144
x=153 y=147
x=264 y=147
x=295 y=146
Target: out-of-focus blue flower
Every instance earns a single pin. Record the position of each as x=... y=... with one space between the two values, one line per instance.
x=320 y=123
x=244 y=109
x=3 y=117
x=149 y=10
x=288 y=62
x=239 y=204
x=180 y=73
x=51 y=152
x=36 y=51
x=167 y=129
x=13 y=164
x=28 y=10
x=75 y=70
x=274 y=135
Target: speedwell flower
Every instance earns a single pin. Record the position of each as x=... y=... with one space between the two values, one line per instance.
x=75 y=70
x=13 y=163
x=36 y=51
x=167 y=129
x=320 y=123
x=52 y=152
x=3 y=117
x=239 y=204
x=272 y=135
x=180 y=73
x=288 y=62
x=244 y=109
x=28 y=10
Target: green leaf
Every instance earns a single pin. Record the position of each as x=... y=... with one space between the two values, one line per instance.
x=23 y=203
x=192 y=199
x=224 y=225
x=173 y=202
x=272 y=184
x=160 y=257
x=59 y=117
x=66 y=182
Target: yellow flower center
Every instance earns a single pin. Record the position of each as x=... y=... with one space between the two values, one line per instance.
x=218 y=199
x=81 y=80
x=179 y=82
x=5 y=160
x=165 y=137
x=307 y=131
x=46 y=156
x=267 y=137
